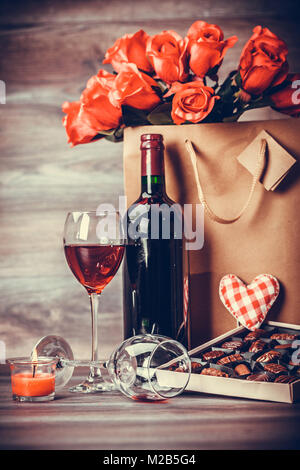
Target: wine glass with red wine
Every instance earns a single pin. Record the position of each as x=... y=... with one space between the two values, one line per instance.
x=94 y=248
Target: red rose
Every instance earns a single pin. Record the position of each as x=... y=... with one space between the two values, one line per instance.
x=79 y=125
x=263 y=61
x=207 y=47
x=168 y=55
x=192 y=102
x=134 y=88
x=93 y=113
x=130 y=48
x=287 y=100
x=98 y=85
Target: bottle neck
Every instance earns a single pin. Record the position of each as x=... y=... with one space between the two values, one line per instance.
x=153 y=174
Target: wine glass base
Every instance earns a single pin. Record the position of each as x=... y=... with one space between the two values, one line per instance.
x=93 y=387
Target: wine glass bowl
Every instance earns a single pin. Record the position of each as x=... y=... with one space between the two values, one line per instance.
x=94 y=266
x=94 y=248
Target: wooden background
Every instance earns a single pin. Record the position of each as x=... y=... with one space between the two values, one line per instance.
x=48 y=51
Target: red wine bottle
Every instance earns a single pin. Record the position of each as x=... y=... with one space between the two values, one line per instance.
x=153 y=260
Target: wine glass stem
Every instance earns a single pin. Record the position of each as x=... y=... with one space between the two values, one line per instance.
x=94 y=299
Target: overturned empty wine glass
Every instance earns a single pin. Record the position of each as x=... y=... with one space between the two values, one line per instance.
x=141 y=367
x=57 y=348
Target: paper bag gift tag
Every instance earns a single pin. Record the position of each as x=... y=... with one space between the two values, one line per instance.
x=278 y=162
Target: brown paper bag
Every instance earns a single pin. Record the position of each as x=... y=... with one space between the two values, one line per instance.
x=265 y=239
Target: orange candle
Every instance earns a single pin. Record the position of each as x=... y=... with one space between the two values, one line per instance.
x=24 y=384
x=33 y=380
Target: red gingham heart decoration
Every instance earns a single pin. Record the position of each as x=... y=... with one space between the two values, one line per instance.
x=249 y=304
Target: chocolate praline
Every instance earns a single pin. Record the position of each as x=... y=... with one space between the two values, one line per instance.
x=286 y=379
x=196 y=367
x=213 y=372
x=242 y=369
x=283 y=346
x=254 y=335
x=234 y=344
x=284 y=336
x=212 y=355
x=229 y=359
x=275 y=368
x=268 y=356
x=261 y=377
x=257 y=346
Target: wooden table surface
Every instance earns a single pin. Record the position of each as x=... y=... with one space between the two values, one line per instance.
x=111 y=421
x=50 y=49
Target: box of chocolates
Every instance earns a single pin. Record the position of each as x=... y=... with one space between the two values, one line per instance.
x=262 y=365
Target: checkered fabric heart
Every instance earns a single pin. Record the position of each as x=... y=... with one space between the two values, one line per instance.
x=249 y=304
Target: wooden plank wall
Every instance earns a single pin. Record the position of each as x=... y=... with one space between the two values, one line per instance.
x=48 y=51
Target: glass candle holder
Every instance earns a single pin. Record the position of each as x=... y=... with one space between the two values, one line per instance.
x=33 y=380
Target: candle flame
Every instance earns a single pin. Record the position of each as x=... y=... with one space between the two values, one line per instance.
x=34 y=359
x=34 y=355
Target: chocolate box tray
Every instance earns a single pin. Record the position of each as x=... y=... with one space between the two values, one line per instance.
x=237 y=386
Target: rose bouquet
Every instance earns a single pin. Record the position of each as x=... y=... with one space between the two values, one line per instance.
x=167 y=79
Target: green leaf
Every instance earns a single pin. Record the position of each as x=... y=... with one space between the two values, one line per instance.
x=97 y=137
x=116 y=136
x=228 y=81
x=109 y=132
x=161 y=115
x=134 y=117
x=113 y=135
x=238 y=80
x=258 y=103
x=158 y=91
x=228 y=89
x=162 y=85
x=261 y=102
x=233 y=118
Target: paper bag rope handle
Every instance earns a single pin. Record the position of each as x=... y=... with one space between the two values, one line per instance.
x=256 y=176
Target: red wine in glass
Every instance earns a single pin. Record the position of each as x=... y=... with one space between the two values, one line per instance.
x=94 y=266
